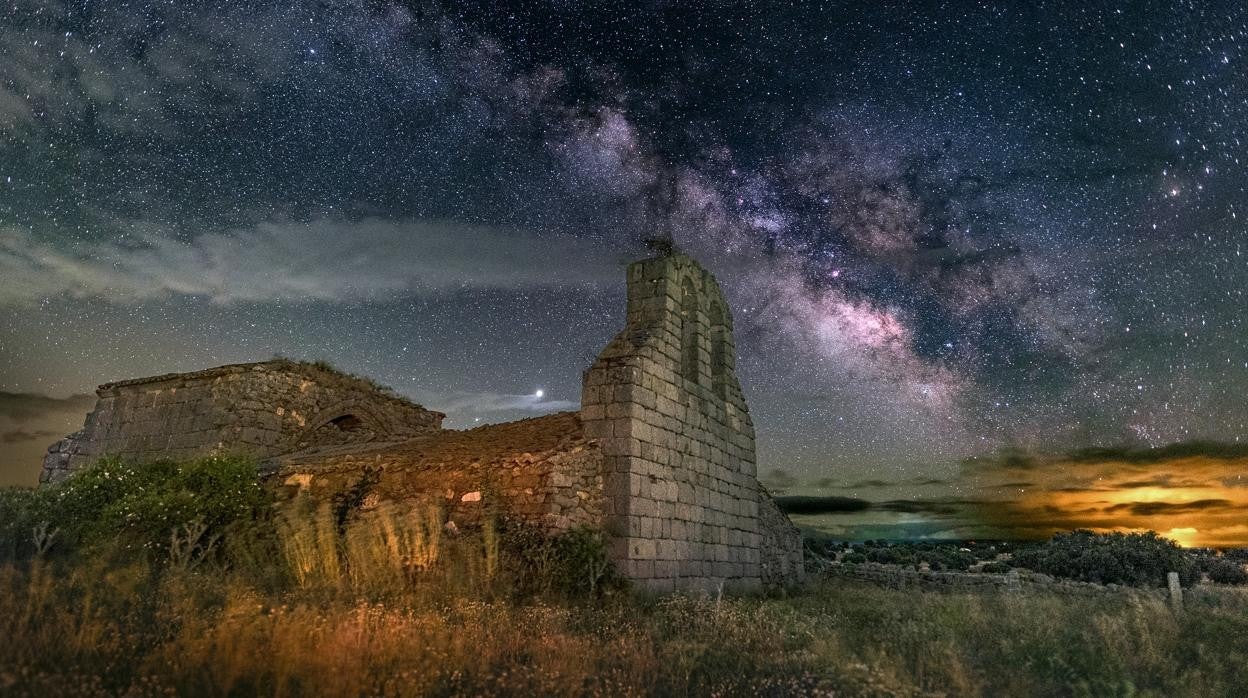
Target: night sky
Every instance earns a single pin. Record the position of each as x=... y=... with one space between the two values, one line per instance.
x=945 y=229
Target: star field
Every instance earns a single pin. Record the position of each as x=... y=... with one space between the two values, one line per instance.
x=944 y=229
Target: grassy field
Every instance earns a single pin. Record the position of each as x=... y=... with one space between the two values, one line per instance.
x=108 y=630
x=187 y=579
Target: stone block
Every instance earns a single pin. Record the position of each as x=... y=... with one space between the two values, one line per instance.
x=665 y=568
x=617 y=486
x=642 y=549
x=620 y=446
x=642 y=506
x=639 y=569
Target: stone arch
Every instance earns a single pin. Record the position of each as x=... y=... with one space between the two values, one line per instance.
x=347 y=422
x=690 y=333
x=342 y=422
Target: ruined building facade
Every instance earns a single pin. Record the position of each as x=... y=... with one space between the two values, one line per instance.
x=262 y=409
x=660 y=456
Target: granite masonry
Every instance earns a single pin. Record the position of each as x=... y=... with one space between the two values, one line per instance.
x=660 y=457
x=681 y=500
x=541 y=471
x=260 y=409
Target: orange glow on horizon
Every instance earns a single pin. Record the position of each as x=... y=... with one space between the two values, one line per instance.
x=1197 y=501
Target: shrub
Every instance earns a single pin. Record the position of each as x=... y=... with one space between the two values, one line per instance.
x=891 y=556
x=21 y=511
x=153 y=508
x=1236 y=554
x=1224 y=571
x=949 y=558
x=995 y=568
x=1137 y=559
x=573 y=563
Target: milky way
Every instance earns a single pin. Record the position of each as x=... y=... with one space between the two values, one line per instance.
x=942 y=231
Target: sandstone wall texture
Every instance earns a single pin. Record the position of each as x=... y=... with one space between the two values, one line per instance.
x=258 y=409
x=681 y=502
x=541 y=471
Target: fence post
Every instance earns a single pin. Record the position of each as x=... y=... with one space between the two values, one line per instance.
x=1176 y=591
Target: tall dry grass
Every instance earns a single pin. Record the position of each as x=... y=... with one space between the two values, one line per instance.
x=379 y=550
x=386 y=602
x=101 y=629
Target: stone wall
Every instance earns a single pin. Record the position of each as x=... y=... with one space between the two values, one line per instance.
x=540 y=471
x=681 y=502
x=258 y=409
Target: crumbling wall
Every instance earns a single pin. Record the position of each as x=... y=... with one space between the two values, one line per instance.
x=782 y=561
x=541 y=472
x=259 y=409
x=681 y=502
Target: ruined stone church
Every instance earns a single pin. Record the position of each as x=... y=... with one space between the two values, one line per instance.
x=660 y=456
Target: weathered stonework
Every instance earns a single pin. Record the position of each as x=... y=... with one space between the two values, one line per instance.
x=660 y=456
x=541 y=471
x=259 y=409
x=782 y=547
x=681 y=503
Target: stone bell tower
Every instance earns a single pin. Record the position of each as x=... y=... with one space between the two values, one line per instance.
x=683 y=507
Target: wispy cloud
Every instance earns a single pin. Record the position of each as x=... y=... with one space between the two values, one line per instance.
x=327 y=260
x=1186 y=490
x=822 y=505
x=25 y=407
x=18 y=436
x=1194 y=492
x=502 y=402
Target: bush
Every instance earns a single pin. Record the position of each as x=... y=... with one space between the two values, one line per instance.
x=995 y=568
x=1224 y=571
x=162 y=509
x=891 y=556
x=1236 y=554
x=574 y=563
x=20 y=510
x=949 y=559
x=1136 y=559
